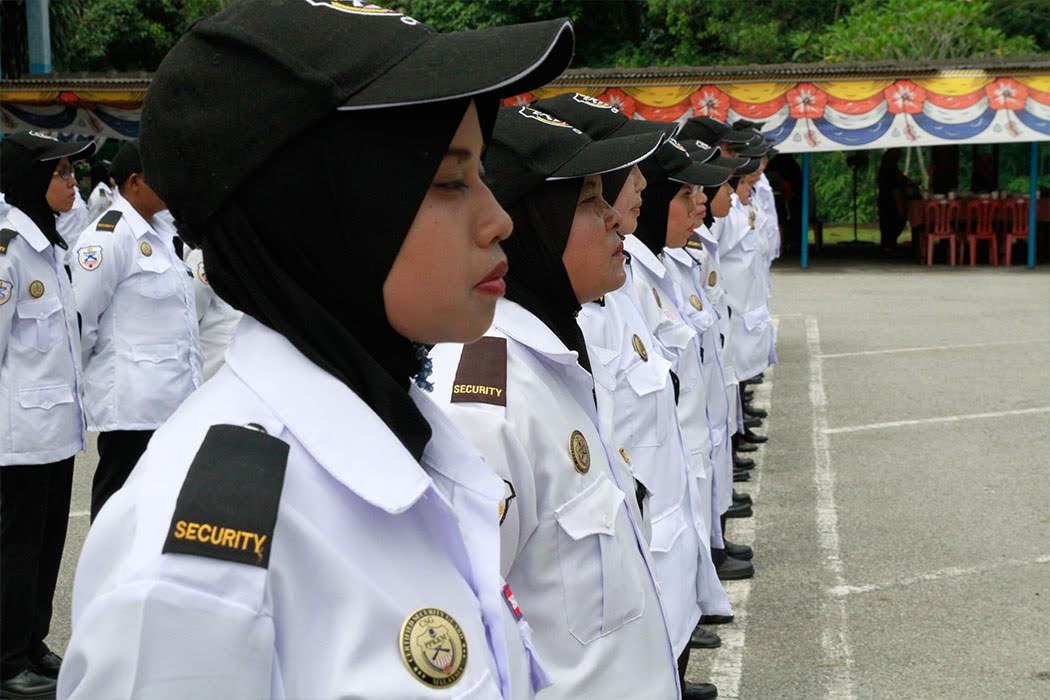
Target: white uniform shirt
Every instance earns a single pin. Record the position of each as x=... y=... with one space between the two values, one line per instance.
x=364 y=537
x=141 y=347
x=571 y=546
x=637 y=415
x=659 y=299
x=767 y=202
x=100 y=199
x=41 y=420
x=218 y=320
x=700 y=313
x=744 y=278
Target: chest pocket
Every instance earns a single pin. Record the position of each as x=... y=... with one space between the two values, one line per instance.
x=151 y=278
x=600 y=567
x=39 y=324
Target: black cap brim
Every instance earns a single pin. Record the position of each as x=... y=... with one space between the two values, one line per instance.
x=731 y=162
x=738 y=137
x=701 y=174
x=749 y=168
x=501 y=61
x=610 y=154
x=68 y=149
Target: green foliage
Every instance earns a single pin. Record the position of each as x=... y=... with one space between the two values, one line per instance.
x=914 y=29
x=833 y=187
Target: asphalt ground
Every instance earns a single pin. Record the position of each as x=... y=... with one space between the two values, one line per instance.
x=902 y=516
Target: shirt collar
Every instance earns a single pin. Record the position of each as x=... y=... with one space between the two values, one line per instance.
x=644 y=256
x=331 y=422
x=680 y=255
x=27 y=229
x=519 y=324
x=139 y=226
x=451 y=454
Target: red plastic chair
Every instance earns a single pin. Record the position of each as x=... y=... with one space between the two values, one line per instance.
x=1015 y=225
x=980 y=225
x=942 y=222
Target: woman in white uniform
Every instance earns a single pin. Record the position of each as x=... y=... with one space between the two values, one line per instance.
x=41 y=416
x=308 y=524
x=573 y=546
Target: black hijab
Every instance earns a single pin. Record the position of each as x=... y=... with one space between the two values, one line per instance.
x=537 y=278
x=29 y=193
x=710 y=193
x=652 y=222
x=305 y=246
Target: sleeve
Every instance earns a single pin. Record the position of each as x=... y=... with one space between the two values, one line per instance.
x=495 y=439
x=94 y=287
x=202 y=293
x=156 y=640
x=8 y=300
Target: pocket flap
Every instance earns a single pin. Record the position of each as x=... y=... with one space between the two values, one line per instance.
x=45 y=397
x=756 y=318
x=667 y=528
x=646 y=378
x=39 y=308
x=591 y=512
x=674 y=335
x=154 y=263
x=155 y=352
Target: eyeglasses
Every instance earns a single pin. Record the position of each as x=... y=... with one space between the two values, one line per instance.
x=65 y=172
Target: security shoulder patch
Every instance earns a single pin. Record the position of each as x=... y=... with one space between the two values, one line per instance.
x=109 y=220
x=482 y=373
x=6 y=236
x=213 y=517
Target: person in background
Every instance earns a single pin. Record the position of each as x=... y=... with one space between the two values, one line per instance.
x=141 y=345
x=218 y=320
x=892 y=199
x=41 y=421
x=101 y=196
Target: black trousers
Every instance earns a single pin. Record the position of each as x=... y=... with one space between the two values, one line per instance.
x=683 y=664
x=34 y=513
x=118 y=453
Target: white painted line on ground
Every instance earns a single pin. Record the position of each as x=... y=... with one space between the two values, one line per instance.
x=950 y=572
x=932 y=348
x=79 y=513
x=728 y=665
x=941 y=419
x=835 y=630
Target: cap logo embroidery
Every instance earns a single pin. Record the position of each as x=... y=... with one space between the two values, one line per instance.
x=701 y=145
x=677 y=145
x=365 y=9
x=544 y=118
x=41 y=135
x=593 y=102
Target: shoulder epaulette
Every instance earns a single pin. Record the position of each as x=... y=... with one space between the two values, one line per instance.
x=213 y=517
x=482 y=373
x=600 y=301
x=694 y=243
x=6 y=236
x=109 y=220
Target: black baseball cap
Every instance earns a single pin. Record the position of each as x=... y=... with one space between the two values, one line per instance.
x=598 y=119
x=22 y=150
x=756 y=147
x=244 y=82
x=711 y=131
x=743 y=124
x=673 y=162
x=749 y=168
x=529 y=147
x=703 y=152
x=126 y=163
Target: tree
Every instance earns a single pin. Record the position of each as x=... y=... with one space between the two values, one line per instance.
x=914 y=29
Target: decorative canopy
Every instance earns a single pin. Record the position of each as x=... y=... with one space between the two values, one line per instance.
x=805 y=107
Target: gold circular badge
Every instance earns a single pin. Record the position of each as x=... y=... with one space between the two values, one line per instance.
x=36 y=289
x=434 y=647
x=712 y=279
x=695 y=301
x=146 y=249
x=751 y=219
x=623 y=453
x=639 y=347
x=656 y=294
x=581 y=454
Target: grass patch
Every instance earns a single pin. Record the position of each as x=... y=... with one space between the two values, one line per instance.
x=843 y=233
